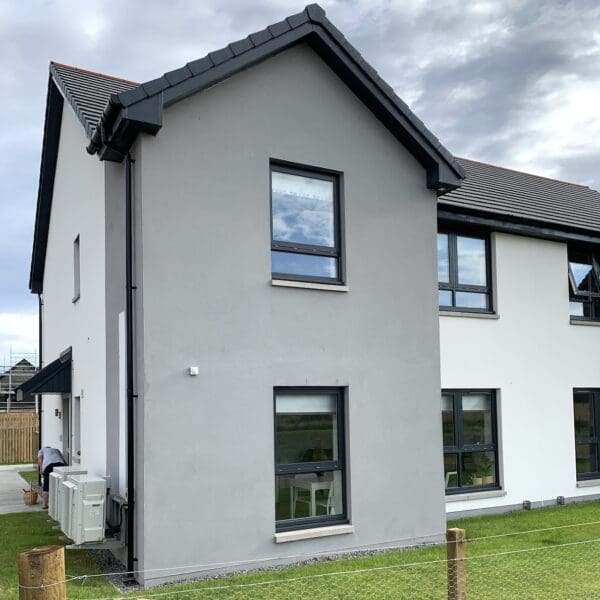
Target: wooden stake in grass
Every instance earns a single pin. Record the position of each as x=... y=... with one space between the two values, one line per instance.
x=42 y=574
x=457 y=565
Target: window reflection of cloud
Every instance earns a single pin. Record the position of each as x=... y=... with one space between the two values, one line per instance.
x=302 y=210
x=471 y=261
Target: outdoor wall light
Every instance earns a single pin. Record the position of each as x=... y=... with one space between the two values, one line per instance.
x=194 y=371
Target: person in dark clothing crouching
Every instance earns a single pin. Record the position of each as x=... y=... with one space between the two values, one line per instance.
x=48 y=458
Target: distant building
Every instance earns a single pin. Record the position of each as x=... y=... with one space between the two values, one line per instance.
x=10 y=379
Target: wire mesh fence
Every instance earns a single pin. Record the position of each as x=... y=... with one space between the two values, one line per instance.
x=558 y=562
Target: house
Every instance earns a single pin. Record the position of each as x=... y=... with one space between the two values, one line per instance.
x=519 y=294
x=236 y=267
x=11 y=378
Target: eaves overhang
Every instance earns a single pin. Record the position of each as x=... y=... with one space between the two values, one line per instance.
x=140 y=109
x=483 y=220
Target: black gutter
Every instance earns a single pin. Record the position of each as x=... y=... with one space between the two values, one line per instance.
x=518 y=226
x=130 y=385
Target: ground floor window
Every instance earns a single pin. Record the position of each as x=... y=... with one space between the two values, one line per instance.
x=309 y=457
x=470 y=440
x=586 y=408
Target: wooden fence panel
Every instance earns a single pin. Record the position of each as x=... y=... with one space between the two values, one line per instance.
x=18 y=438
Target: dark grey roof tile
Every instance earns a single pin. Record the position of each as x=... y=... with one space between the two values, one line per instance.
x=154 y=86
x=241 y=46
x=177 y=75
x=315 y=13
x=197 y=67
x=298 y=19
x=87 y=92
x=279 y=28
x=498 y=191
x=260 y=37
x=220 y=56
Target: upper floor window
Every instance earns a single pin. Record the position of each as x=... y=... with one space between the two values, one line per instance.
x=584 y=284
x=305 y=225
x=463 y=272
x=76 y=270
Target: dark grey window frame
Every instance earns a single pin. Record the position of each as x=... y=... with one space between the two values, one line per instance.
x=453 y=285
x=459 y=447
x=311 y=467
x=307 y=249
x=595 y=439
x=575 y=253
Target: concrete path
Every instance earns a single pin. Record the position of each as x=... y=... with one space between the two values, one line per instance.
x=11 y=493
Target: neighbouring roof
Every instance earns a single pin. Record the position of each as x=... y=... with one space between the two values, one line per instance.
x=87 y=92
x=516 y=195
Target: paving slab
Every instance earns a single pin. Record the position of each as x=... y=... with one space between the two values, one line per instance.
x=11 y=493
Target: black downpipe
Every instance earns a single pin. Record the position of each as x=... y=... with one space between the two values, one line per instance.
x=130 y=387
x=39 y=396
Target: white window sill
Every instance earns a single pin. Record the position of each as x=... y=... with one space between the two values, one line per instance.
x=584 y=322
x=475 y=496
x=588 y=483
x=315 y=532
x=308 y=285
x=472 y=315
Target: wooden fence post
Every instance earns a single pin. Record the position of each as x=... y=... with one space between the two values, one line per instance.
x=457 y=565
x=42 y=574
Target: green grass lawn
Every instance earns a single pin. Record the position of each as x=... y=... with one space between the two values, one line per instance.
x=548 y=572
x=29 y=476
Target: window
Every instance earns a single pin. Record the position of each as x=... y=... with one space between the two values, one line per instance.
x=586 y=409
x=309 y=457
x=470 y=447
x=584 y=285
x=463 y=272
x=76 y=270
x=305 y=225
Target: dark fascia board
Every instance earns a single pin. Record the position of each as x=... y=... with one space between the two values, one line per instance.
x=52 y=125
x=119 y=125
x=517 y=226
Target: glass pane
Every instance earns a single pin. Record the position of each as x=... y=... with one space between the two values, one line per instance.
x=471 y=300
x=478 y=468
x=576 y=308
x=307 y=265
x=445 y=297
x=442 y=258
x=471 y=261
x=450 y=470
x=583 y=275
x=585 y=458
x=308 y=495
x=447 y=420
x=477 y=419
x=306 y=428
x=583 y=404
x=302 y=210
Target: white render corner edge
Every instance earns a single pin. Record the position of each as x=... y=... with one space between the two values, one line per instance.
x=315 y=532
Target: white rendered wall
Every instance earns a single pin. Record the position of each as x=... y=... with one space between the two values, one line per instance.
x=77 y=209
x=534 y=357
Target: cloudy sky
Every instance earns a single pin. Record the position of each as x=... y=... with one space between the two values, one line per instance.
x=516 y=83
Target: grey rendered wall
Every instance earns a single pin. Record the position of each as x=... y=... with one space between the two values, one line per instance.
x=208 y=493
x=115 y=304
